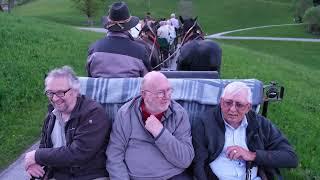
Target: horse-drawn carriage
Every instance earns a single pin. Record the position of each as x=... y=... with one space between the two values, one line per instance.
x=197 y=58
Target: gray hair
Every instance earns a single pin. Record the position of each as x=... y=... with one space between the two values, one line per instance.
x=173 y=15
x=236 y=87
x=67 y=72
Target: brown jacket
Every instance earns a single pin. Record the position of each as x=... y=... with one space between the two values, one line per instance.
x=87 y=135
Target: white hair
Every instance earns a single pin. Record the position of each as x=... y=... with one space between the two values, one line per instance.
x=173 y=15
x=67 y=72
x=236 y=87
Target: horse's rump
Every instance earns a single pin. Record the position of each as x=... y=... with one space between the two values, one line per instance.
x=199 y=55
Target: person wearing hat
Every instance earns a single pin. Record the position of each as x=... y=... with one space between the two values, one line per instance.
x=118 y=54
x=174 y=21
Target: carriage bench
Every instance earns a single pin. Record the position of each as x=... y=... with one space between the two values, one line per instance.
x=195 y=95
x=192 y=74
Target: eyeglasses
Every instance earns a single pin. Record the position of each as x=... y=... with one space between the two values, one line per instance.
x=162 y=93
x=229 y=103
x=60 y=94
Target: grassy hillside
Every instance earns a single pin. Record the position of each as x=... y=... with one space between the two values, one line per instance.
x=60 y=11
x=29 y=48
x=64 y=12
x=292 y=31
x=218 y=16
x=214 y=15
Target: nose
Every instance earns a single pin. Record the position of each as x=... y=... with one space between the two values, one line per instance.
x=233 y=107
x=54 y=98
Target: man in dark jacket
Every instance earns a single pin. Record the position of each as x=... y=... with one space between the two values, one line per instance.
x=118 y=54
x=74 y=135
x=236 y=143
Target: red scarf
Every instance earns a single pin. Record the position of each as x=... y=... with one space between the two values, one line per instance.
x=146 y=114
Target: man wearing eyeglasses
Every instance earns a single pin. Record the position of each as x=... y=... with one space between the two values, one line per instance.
x=236 y=143
x=74 y=135
x=151 y=135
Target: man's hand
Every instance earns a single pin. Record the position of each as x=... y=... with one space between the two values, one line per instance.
x=29 y=159
x=35 y=170
x=237 y=152
x=153 y=125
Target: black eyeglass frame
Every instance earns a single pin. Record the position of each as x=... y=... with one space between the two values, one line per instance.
x=161 y=93
x=59 y=93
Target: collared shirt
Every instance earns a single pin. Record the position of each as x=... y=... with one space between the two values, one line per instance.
x=227 y=169
x=58 y=136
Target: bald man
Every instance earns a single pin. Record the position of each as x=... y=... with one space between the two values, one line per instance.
x=151 y=135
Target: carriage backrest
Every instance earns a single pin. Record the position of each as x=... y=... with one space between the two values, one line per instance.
x=195 y=95
x=192 y=74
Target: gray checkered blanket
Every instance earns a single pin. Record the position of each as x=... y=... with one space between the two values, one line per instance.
x=195 y=95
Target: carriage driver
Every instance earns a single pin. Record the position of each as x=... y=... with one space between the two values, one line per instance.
x=236 y=143
x=118 y=54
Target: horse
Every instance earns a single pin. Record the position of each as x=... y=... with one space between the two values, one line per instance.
x=148 y=37
x=196 y=53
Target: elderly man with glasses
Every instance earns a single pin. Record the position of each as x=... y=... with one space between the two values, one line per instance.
x=236 y=143
x=151 y=135
x=74 y=135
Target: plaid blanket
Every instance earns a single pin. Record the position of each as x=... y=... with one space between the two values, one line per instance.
x=195 y=95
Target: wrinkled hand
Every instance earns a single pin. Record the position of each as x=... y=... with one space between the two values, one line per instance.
x=237 y=152
x=153 y=125
x=29 y=159
x=35 y=170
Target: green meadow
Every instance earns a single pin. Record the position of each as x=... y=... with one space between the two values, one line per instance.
x=290 y=30
x=39 y=36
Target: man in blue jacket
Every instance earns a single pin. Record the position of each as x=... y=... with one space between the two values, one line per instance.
x=236 y=143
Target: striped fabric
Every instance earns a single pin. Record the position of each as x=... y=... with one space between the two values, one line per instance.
x=195 y=95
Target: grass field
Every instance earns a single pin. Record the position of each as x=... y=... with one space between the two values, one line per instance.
x=292 y=31
x=218 y=16
x=31 y=47
x=63 y=11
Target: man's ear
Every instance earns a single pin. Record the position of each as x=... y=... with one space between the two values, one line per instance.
x=249 y=108
x=143 y=94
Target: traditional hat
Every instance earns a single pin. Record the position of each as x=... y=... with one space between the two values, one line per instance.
x=119 y=18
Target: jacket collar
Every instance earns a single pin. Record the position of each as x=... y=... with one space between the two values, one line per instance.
x=167 y=113
x=124 y=34
x=76 y=112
